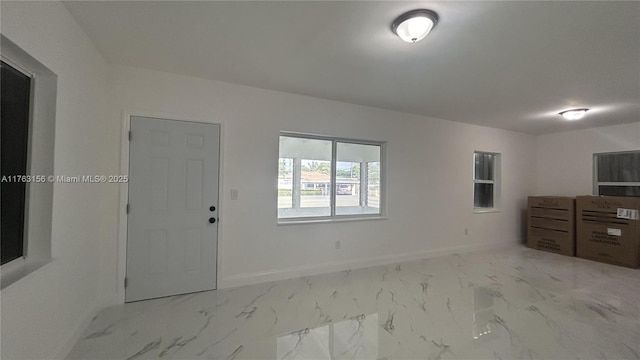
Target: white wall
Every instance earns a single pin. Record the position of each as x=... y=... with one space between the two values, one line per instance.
x=42 y=312
x=565 y=160
x=429 y=183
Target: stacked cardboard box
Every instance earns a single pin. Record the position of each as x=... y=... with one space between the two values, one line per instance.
x=551 y=224
x=609 y=229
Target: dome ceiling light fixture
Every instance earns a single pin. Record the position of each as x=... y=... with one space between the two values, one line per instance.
x=574 y=114
x=414 y=25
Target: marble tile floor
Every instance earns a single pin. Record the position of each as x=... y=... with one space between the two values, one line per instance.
x=511 y=303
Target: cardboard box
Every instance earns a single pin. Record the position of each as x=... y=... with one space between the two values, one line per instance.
x=551 y=224
x=609 y=229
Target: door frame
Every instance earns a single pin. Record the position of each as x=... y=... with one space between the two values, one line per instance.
x=123 y=199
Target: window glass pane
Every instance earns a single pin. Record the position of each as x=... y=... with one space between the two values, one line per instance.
x=285 y=183
x=623 y=167
x=14 y=132
x=373 y=187
x=310 y=177
x=483 y=195
x=619 y=190
x=316 y=186
x=483 y=166
x=357 y=179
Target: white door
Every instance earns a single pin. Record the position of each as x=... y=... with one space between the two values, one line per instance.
x=173 y=199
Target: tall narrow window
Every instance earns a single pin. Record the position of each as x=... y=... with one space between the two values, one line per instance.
x=617 y=174
x=485 y=180
x=14 y=137
x=321 y=177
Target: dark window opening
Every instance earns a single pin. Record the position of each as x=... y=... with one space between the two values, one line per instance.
x=15 y=98
x=617 y=174
x=483 y=195
x=633 y=191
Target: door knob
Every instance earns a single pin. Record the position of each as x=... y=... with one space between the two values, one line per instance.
x=212 y=220
x=212 y=208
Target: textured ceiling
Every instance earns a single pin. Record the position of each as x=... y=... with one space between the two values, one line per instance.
x=504 y=64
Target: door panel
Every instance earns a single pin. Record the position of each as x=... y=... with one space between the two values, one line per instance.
x=173 y=180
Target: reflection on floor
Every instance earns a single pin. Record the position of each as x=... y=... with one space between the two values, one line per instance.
x=354 y=338
x=511 y=303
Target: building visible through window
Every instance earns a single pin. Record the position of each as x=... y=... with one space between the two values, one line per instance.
x=321 y=177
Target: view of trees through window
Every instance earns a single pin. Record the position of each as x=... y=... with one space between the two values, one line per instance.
x=305 y=185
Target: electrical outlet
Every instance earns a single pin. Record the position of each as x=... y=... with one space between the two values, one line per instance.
x=234 y=194
x=466 y=231
x=338 y=245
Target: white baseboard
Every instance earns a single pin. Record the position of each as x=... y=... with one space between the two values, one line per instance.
x=274 y=275
x=68 y=345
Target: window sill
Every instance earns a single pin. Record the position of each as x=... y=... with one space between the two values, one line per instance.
x=283 y=222
x=18 y=269
x=485 y=210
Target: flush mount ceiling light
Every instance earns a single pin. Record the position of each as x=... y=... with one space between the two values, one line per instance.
x=414 y=25
x=574 y=114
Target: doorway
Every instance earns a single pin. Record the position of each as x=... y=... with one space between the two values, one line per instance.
x=172 y=228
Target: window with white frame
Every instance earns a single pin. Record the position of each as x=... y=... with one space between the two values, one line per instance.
x=27 y=123
x=324 y=177
x=617 y=174
x=486 y=172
